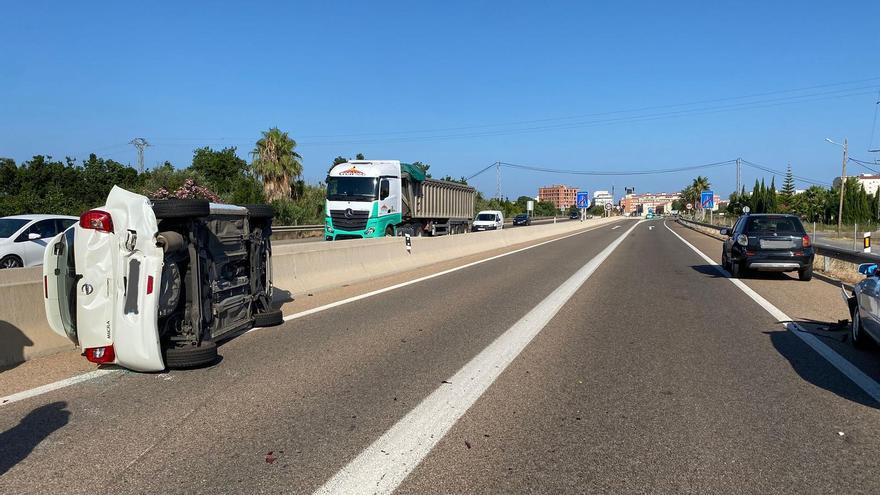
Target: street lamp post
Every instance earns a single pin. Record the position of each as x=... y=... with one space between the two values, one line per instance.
x=845 y=147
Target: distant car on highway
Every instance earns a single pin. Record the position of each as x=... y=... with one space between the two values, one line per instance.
x=149 y=285
x=522 y=219
x=864 y=306
x=488 y=220
x=574 y=215
x=767 y=242
x=23 y=238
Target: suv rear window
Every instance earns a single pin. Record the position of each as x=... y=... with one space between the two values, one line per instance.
x=775 y=226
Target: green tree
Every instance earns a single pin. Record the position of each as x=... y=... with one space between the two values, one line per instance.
x=772 y=201
x=359 y=156
x=424 y=167
x=276 y=163
x=786 y=195
x=223 y=170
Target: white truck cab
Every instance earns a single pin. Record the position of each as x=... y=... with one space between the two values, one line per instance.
x=488 y=220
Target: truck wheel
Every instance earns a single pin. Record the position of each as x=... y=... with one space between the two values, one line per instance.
x=389 y=231
x=191 y=356
x=268 y=319
x=260 y=212
x=181 y=208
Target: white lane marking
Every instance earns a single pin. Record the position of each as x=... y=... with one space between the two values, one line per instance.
x=651 y=227
x=863 y=381
x=382 y=466
x=615 y=227
x=95 y=374
x=27 y=394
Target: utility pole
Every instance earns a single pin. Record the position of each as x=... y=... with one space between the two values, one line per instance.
x=140 y=144
x=842 y=185
x=738 y=174
x=498 y=180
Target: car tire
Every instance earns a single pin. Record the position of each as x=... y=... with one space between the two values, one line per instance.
x=856 y=332
x=181 y=208
x=736 y=270
x=260 y=212
x=11 y=261
x=806 y=274
x=191 y=356
x=269 y=318
x=724 y=263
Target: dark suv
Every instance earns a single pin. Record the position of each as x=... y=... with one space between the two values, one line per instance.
x=522 y=219
x=768 y=242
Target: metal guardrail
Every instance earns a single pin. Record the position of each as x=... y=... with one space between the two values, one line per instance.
x=821 y=248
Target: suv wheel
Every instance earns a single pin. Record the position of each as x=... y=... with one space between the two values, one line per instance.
x=857 y=335
x=181 y=208
x=806 y=273
x=191 y=356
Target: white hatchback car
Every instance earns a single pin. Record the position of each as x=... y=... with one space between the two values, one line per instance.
x=23 y=238
x=150 y=285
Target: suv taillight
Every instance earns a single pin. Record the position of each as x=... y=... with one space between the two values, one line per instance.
x=806 y=241
x=96 y=220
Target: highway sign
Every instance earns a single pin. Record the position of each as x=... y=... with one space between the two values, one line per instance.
x=530 y=205
x=607 y=206
x=582 y=199
x=746 y=209
x=707 y=200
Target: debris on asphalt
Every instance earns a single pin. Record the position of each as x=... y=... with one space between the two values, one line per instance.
x=270 y=458
x=447 y=382
x=467 y=444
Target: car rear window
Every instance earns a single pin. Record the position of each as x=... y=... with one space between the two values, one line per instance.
x=774 y=226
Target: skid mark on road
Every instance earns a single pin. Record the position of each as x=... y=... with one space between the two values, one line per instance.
x=863 y=381
x=382 y=466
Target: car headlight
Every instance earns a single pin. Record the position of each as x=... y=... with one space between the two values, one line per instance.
x=329 y=229
x=742 y=240
x=369 y=231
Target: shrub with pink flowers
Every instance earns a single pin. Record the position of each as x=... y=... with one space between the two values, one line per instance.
x=189 y=190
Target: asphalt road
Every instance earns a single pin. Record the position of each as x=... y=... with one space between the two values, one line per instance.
x=507 y=225
x=656 y=375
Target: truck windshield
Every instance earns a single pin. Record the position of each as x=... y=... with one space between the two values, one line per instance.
x=351 y=188
x=486 y=217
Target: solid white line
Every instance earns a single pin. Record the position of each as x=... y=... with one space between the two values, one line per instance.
x=27 y=394
x=382 y=466
x=95 y=374
x=863 y=381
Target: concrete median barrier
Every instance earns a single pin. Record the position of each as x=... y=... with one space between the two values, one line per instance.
x=298 y=268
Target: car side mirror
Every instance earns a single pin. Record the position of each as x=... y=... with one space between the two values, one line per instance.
x=33 y=236
x=868 y=269
x=724 y=232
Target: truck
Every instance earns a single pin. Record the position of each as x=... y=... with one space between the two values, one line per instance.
x=383 y=198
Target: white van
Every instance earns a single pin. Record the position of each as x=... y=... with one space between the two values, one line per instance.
x=488 y=220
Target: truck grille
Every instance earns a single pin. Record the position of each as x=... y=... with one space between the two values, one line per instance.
x=355 y=220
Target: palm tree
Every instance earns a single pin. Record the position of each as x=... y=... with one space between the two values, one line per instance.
x=276 y=163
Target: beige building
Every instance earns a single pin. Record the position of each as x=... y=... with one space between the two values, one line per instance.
x=871 y=182
x=633 y=203
x=560 y=195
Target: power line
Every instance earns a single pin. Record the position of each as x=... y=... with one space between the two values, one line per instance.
x=778 y=172
x=616 y=173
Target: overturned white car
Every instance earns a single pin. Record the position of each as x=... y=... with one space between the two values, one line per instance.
x=154 y=285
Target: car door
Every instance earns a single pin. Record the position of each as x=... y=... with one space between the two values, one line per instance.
x=389 y=196
x=32 y=249
x=60 y=278
x=868 y=298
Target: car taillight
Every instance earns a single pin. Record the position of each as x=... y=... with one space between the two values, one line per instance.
x=806 y=241
x=101 y=355
x=96 y=220
x=149 y=284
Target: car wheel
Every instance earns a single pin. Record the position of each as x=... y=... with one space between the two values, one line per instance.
x=181 y=208
x=857 y=335
x=806 y=274
x=11 y=261
x=736 y=270
x=260 y=212
x=269 y=318
x=724 y=263
x=191 y=356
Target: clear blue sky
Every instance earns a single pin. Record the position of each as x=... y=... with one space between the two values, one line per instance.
x=344 y=78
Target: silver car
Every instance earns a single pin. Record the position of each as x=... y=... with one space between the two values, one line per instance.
x=864 y=306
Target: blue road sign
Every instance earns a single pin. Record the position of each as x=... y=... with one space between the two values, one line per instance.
x=582 y=199
x=707 y=199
